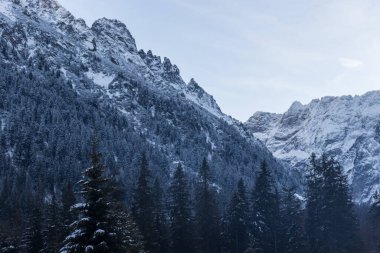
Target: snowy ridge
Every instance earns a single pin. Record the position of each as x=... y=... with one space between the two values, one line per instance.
x=347 y=127
x=111 y=41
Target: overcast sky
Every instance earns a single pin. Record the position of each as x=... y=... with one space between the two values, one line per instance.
x=256 y=54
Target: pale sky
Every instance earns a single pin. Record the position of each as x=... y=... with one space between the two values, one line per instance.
x=256 y=55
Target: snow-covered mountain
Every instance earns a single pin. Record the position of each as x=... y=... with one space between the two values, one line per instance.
x=172 y=120
x=347 y=127
x=104 y=50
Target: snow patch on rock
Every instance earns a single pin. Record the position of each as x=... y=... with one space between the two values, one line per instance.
x=6 y=10
x=100 y=79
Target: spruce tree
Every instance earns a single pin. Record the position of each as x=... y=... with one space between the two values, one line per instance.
x=343 y=219
x=207 y=213
x=294 y=240
x=181 y=226
x=34 y=238
x=266 y=227
x=67 y=215
x=129 y=237
x=331 y=224
x=53 y=232
x=143 y=204
x=374 y=218
x=314 y=205
x=161 y=235
x=236 y=221
x=93 y=231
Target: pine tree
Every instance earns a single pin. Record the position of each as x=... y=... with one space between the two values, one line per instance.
x=53 y=232
x=207 y=213
x=236 y=221
x=331 y=224
x=129 y=237
x=67 y=215
x=34 y=239
x=294 y=240
x=374 y=218
x=266 y=213
x=93 y=231
x=143 y=204
x=181 y=220
x=344 y=221
x=10 y=216
x=314 y=205
x=161 y=235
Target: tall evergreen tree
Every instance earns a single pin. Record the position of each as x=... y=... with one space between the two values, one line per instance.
x=34 y=238
x=161 y=236
x=67 y=215
x=53 y=231
x=236 y=221
x=331 y=223
x=94 y=230
x=294 y=240
x=266 y=225
x=207 y=213
x=128 y=236
x=314 y=205
x=374 y=218
x=182 y=226
x=143 y=204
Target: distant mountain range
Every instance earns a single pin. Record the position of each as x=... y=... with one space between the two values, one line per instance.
x=346 y=127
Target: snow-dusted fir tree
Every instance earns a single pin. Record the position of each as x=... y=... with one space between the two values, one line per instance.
x=53 y=226
x=34 y=239
x=68 y=200
x=331 y=224
x=93 y=231
x=143 y=205
x=374 y=218
x=182 y=226
x=161 y=237
x=266 y=212
x=129 y=237
x=236 y=222
x=206 y=212
x=294 y=240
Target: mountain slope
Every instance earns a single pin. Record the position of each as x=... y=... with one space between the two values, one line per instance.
x=346 y=127
x=70 y=79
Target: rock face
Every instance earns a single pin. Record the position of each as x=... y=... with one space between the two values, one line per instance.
x=346 y=127
x=172 y=120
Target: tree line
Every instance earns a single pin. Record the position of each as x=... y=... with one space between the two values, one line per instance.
x=94 y=216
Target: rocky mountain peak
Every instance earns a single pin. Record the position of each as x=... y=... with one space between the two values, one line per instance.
x=262 y=121
x=295 y=107
x=193 y=84
x=47 y=4
x=48 y=10
x=116 y=31
x=294 y=115
x=171 y=72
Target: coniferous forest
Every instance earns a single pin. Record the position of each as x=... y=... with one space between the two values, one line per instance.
x=92 y=215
